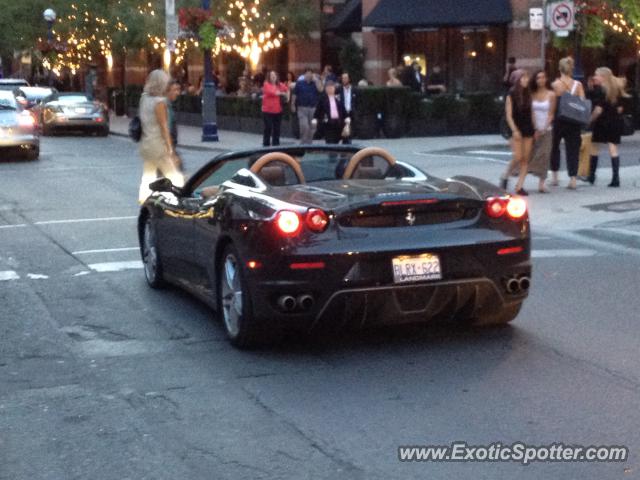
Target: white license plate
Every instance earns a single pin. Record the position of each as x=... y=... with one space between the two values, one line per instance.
x=81 y=110
x=416 y=268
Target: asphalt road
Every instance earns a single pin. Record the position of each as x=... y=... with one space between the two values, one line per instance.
x=104 y=378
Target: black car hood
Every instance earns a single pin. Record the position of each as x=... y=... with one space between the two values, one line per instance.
x=346 y=194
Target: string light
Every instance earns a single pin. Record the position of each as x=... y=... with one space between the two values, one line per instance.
x=84 y=36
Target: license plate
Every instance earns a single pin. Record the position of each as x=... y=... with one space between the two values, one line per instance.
x=416 y=268
x=81 y=110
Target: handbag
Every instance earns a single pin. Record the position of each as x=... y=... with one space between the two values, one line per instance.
x=628 y=127
x=135 y=129
x=574 y=109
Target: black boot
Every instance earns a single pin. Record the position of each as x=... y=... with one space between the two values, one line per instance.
x=615 y=169
x=593 y=166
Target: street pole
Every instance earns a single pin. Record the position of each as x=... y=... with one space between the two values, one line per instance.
x=50 y=17
x=209 y=125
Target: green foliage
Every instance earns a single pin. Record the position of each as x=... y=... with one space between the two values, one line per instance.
x=208 y=34
x=372 y=100
x=351 y=58
x=296 y=17
x=593 y=32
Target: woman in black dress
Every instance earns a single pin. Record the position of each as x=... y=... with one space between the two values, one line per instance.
x=519 y=115
x=606 y=121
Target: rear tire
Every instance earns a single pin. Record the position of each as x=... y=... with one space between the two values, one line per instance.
x=235 y=308
x=150 y=256
x=103 y=132
x=503 y=317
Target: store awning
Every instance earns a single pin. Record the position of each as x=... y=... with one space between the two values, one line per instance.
x=438 y=13
x=348 y=19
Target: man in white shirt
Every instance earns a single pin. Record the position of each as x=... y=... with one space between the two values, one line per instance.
x=347 y=96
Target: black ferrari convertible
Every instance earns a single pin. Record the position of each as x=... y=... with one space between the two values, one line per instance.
x=330 y=236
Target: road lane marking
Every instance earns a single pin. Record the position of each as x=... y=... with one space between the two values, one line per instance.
x=563 y=253
x=68 y=221
x=8 y=275
x=622 y=231
x=106 y=250
x=37 y=276
x=115 y=266
x=19 y=225
x=601 y=245
x=84 y=220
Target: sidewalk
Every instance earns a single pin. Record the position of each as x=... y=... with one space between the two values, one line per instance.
x=561 y=210
x=191 y=138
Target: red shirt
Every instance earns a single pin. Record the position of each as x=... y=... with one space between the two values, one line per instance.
x=271 y=100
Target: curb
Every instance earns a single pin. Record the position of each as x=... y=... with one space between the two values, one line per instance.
x=194 y=148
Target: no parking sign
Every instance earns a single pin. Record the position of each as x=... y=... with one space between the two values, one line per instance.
x=562 y=16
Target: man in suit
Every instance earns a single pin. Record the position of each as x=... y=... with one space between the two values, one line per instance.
x=414 y=78
x=347 y=96
x=332 y=115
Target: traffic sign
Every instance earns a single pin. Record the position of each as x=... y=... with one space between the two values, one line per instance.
x=562 y=16
x=536 y=18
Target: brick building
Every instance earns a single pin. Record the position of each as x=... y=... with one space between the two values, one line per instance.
x=469 y=39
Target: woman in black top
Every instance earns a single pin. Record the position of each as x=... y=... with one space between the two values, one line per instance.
x=520 y=119
x=606 y=121
x=565 y=130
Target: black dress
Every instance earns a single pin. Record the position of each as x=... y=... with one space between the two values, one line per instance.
x=523 y=117
x=607 y=128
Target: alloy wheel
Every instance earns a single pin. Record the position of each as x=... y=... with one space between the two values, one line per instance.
x=231 y=295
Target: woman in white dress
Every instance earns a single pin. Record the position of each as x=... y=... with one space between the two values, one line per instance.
x=156 y=147
x=544 y=108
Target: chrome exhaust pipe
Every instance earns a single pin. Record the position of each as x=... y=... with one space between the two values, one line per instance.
x=287 y=303
x=305 y=302
x=513 y=285
x=524 y=283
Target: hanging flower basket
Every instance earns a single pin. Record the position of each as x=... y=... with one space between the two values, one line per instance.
x=199 y=23
x=190 y=19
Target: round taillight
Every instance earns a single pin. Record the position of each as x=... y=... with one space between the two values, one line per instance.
x=496 y=206
x=516 y=207
x=317 y=220
x=288 y=223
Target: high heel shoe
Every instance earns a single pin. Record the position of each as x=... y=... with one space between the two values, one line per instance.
x=522 y=192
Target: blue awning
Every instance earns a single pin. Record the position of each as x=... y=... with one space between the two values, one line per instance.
x=438 y=13
x=348 y=19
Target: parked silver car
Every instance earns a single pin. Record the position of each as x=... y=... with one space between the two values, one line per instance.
x=11 y=84
x=18 y=129
x=73 y=111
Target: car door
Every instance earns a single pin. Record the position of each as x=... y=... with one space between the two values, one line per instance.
x=175 y=234
x=209 y=200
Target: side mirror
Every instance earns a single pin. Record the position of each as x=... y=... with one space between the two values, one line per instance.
x=164 y=185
